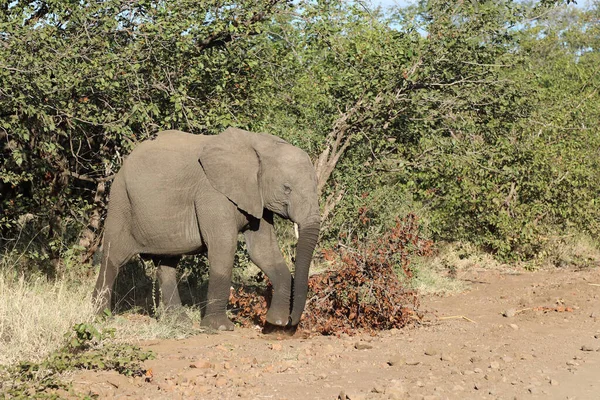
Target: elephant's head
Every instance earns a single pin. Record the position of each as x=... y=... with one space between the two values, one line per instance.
x=259 y=171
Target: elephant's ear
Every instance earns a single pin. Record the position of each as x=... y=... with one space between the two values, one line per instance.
x=232 y=167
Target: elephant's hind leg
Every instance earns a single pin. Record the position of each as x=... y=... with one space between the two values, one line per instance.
x=167 y=279
x=169 y=294
x=115 y=255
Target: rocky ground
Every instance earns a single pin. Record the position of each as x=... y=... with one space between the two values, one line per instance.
x=528 y=335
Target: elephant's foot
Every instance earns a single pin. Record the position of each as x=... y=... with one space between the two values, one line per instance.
x=277 y=317
x=217 y=322
x=278 y=330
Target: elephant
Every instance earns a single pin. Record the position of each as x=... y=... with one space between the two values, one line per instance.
x=181 y=194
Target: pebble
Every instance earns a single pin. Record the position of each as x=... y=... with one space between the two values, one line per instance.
x=446 y=357
x=276 y=346
x=572 y=363
x=378 y=389
x=507 y=359
x=413 y=362
x=396 y=360
x=431 y=352
x=553 y=382
x=533 y=390
x=396 y=392
x=221 y=382
x=478 y=370
x=362 y=346
x=202 y=364
x=511 y=312
x=494 y=365
x=475 y=359
x=514 y=326
x=585 y=347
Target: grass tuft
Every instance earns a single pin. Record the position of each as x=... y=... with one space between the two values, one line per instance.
x=36 y=312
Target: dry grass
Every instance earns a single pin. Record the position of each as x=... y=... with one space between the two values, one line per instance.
x=437 y=275
x=36 y=313
x=430 y=281
x=571 y=250
x=133 y=328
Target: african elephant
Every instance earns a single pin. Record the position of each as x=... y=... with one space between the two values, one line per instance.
x=182 y=194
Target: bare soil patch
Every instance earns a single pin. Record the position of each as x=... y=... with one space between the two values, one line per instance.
x=547 y=347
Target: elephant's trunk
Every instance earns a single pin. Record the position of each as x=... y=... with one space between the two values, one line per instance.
x=309 y=233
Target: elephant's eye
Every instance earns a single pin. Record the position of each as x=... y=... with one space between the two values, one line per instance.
x=287 y=189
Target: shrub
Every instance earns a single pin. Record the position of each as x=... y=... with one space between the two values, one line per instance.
x=364 y=290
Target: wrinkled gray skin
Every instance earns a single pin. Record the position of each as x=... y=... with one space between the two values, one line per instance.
x=183 y=194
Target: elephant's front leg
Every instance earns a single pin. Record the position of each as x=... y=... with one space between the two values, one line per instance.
x=221 y=253
x=265 y=253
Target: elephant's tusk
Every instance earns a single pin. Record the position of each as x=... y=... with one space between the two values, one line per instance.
x=296 y=230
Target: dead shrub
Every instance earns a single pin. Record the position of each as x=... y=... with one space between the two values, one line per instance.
x=362 y=290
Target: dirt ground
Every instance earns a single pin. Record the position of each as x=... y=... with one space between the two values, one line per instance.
x=547 y=347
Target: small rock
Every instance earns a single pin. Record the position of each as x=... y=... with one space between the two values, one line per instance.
x=276 y=346
x=202 y=364
x=475 y=359
x=553 y=382
x=533 y=390
x=396 y=392
x=342 y=396
x=507 y=359
x=362 y=346
x=378 y=389
x=446 y=357
x=514 y=326
x=511 y=312
x=430 y=352
x=494 y=365
x=478 y=370
x=572 y=363
x=585 y=347
x=221 y=382
x=396 y=360
x=477 y=386
x=413 y=362
x=420 y=384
